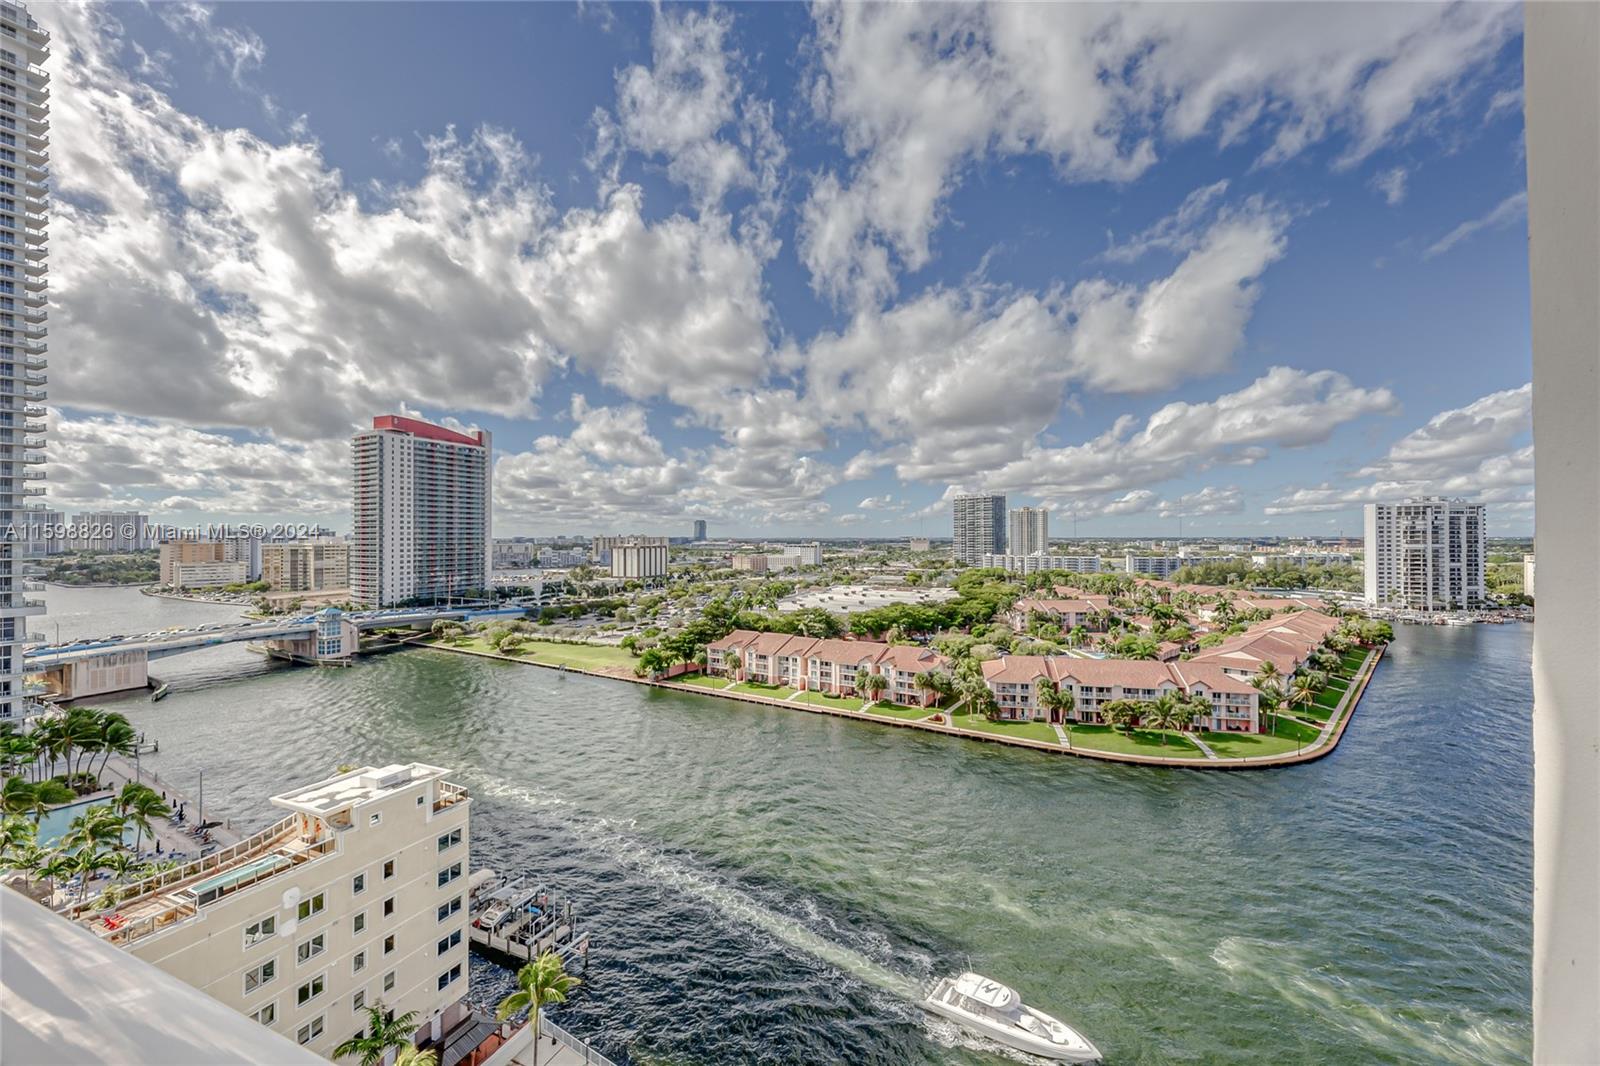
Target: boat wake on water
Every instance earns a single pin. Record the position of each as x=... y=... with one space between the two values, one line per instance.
x=732 y=903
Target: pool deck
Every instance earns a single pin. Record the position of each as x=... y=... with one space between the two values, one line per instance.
x=173 y=838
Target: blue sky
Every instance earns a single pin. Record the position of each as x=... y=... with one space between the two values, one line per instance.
x=796 y=270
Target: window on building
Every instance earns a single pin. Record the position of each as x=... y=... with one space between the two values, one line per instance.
x=449 y=942
x=447 y=909
x=259 y=930
x=358 y=962
x=358 y=1002
x=358 y=924
x=388 y=906
x=449 y=873
x=310 y=949
x=449 y=840
x=312 y=905
x=388 y=944
x=388 y=981
x=260 y=975
x=449 y=975
x=388 y=869
x=309 y=1031
x=266 y=1015
x=310 y=990
x=376 y=819
x=358 y=884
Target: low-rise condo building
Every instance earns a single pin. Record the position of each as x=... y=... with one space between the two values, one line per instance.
x=1069 y=613
x=1222 y=675
x=1018 y=683
x=358 y=897
x=832 y=667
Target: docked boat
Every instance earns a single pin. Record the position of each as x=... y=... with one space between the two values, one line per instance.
x=158 y=694
x=994 y=1010
x=509 y=919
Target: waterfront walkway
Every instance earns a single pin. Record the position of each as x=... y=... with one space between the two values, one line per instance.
x=173 y=838
x=1332 y=733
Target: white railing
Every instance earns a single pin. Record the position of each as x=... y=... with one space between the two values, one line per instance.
x=561 y=1036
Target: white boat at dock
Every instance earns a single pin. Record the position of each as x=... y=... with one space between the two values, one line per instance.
x=994 y=1010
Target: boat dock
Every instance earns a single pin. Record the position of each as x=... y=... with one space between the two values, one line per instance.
x=517 y=921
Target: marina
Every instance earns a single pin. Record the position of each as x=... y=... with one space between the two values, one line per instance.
x=516 y=921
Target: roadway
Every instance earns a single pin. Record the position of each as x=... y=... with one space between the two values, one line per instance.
x=179 y=639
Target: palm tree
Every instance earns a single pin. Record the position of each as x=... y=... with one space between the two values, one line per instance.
x=1162 y=713
x=19 y=797
x=1058 y=700
x=541 y=982
x=1270 y=698
x=117 y=737
x=1303 y=691
x=381 y=1034
x=873 y=685
x=415 y=1056
x=138 y=804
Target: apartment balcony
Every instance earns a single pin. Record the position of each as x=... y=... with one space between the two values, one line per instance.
x=37 y=250
x=35 y=394
x=449 y=796
x=33 y=427
x=33 y=457
x=34 y=235
x=34 y=490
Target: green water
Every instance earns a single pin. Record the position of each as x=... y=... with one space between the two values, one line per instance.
x=771 y=886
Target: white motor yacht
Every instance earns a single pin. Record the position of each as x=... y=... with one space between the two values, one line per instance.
x=996 y=1011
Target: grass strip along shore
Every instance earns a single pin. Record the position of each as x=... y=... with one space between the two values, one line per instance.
x=1292 y=741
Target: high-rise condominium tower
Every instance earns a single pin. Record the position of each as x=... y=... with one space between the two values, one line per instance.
x=1030 y=531
x=421 y=512
x=24 y=122
x=1426 y=554
x=980 y=527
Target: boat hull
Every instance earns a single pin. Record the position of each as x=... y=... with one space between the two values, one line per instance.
x=1011 y=1036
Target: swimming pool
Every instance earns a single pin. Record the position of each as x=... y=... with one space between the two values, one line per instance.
x=53 y=826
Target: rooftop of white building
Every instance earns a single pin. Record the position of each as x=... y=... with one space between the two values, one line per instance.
x=357 y=787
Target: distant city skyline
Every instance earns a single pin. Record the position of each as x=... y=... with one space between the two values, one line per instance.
x=814 y=302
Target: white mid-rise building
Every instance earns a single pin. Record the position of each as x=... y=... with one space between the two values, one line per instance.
x=204 y=575
x=1153 y=565
x=919 y=544
x=638 y=557
x=421 y=512
x=803 y=554
x=1425 y=554
x=1029 y=532
x=1527 y=575
x=357 y=897
x=306 y=565
x=24 y=147
x=111 y=531
x=980 y=527
x=1032 y=564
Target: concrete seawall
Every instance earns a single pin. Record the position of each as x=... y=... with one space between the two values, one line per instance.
x=1255 y=762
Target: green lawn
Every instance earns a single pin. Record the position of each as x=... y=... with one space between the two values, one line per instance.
x=1139 y=742
x=702 y=681
x=1328 y=698
x=756 y=688
x=894 y=710
x=1314 y=710
x=1353 y=661
x=1040 y=731
x=1293 y=730
x=822 y=699
x=1243 y=745
x=582 y=656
